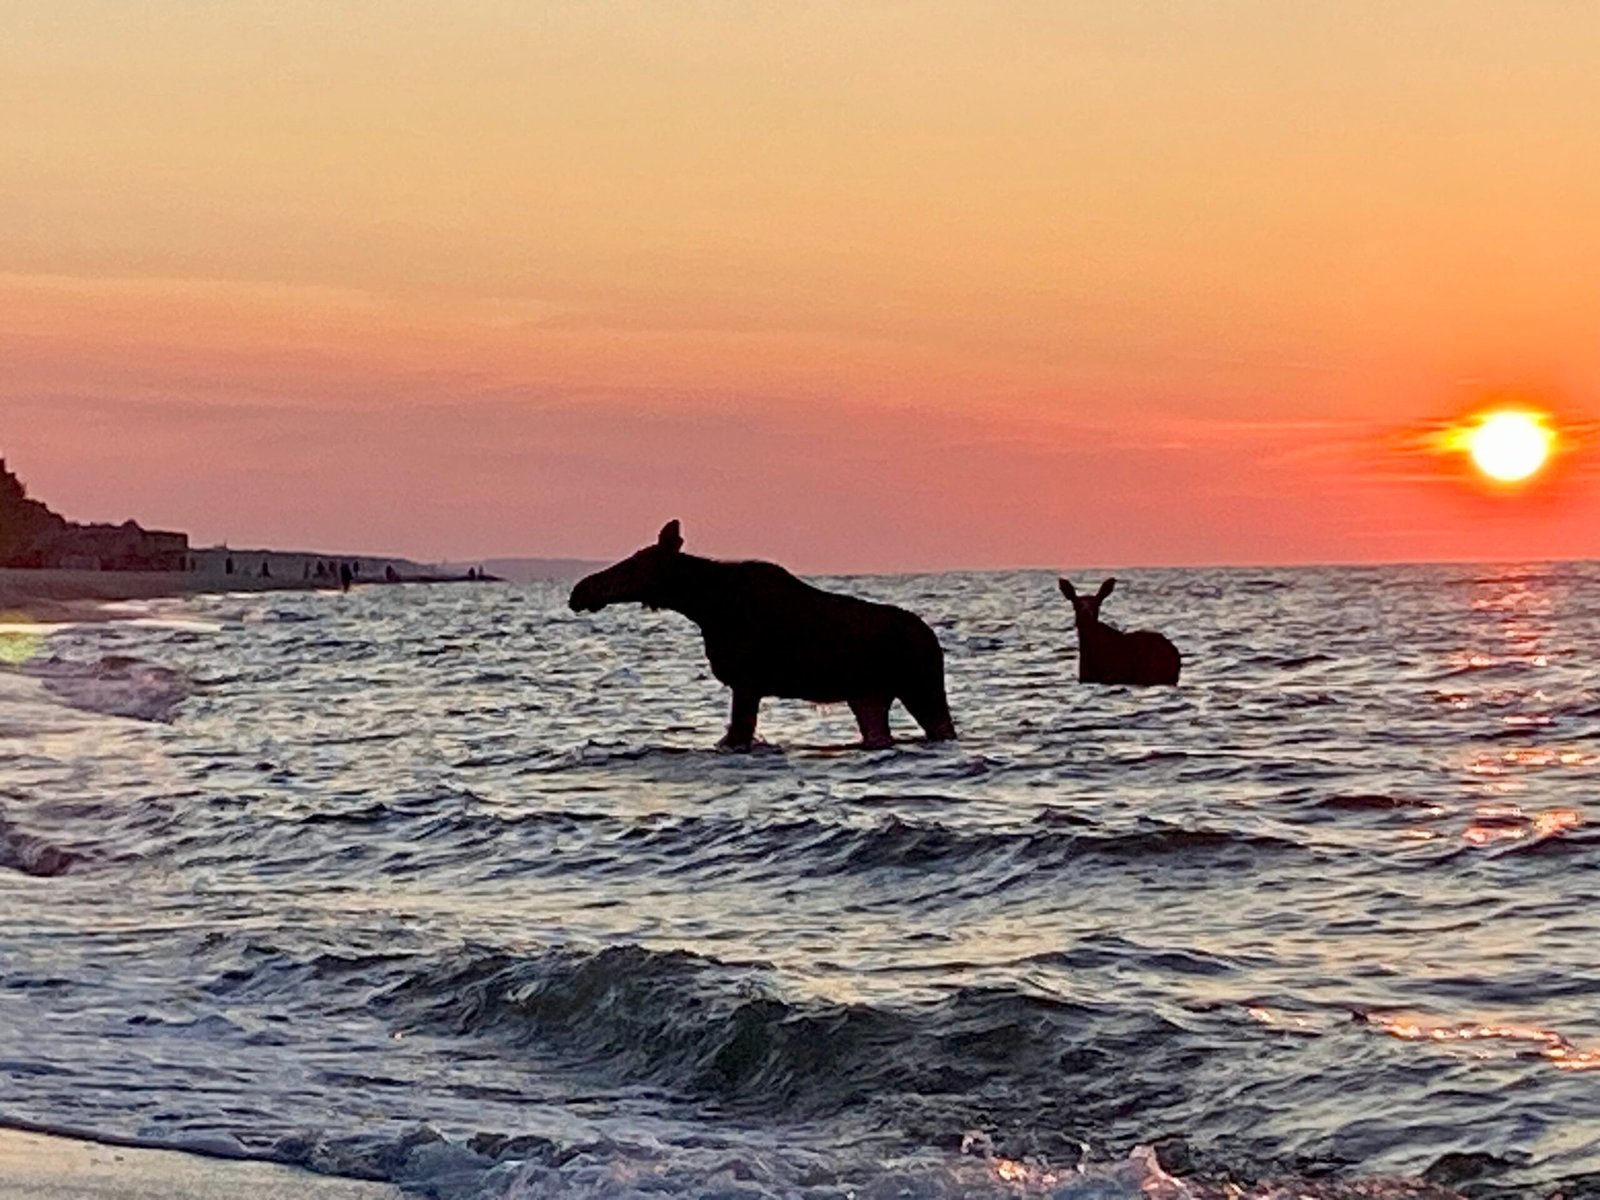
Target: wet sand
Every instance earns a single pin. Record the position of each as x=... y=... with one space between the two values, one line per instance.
x=35 y=1166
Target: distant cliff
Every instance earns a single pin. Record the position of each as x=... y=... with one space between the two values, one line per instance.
x=31 y=535
x=23 y=522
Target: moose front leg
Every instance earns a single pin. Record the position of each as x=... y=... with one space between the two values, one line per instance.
x=872 y=715
x=742 y=721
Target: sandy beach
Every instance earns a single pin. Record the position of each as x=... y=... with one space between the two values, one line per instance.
x=36 y=1166
x=68 y=595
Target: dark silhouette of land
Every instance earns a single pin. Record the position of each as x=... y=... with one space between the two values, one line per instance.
x=1108 y=655
x=48 y=563
x=528 y=570
x=770 y=634
x=32 y=535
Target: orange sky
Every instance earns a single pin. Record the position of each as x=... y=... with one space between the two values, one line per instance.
x=854 y=286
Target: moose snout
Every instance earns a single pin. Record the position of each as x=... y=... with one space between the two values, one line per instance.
x=584 y=598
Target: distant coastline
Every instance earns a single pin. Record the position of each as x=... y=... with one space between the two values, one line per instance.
x=529 y=570
x=51 y=595
x=51 y=567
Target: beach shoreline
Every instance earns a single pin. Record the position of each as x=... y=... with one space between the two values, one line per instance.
x=42 y=1166
x=54 y=595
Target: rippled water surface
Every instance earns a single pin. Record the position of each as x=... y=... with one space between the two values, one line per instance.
x=449 y=886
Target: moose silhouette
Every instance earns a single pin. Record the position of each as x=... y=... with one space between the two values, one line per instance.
x=1108 y=655
x=770 y=634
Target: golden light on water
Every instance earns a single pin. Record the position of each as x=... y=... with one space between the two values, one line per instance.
x=1570 y=1058
x=1551 y=1045
x=1508 y=823
x=20 y=638
x=1009 y=1170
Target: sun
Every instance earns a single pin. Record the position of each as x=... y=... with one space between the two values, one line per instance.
x=1509 y=445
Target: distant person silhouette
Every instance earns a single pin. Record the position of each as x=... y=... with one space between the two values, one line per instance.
x=345 y=576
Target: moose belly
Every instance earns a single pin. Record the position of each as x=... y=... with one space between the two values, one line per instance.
x=822 y=670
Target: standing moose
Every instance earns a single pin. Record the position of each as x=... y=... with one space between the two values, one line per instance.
x=770 y=634
x=1108 y=655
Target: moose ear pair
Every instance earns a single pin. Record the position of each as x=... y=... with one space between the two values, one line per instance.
x=1067 y=589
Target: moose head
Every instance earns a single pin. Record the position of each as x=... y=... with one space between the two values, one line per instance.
x=637 y=579
x=1086 y=609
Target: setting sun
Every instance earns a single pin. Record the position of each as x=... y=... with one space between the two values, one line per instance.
x=1510 y=446
x=1506 y=445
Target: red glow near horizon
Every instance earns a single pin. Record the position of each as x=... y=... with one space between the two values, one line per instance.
x=483 y=285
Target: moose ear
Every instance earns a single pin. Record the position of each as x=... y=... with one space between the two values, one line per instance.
x=1105 y=588
x=670 y=538
x=1067 y=589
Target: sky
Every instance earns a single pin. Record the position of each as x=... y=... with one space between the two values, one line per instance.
x=853 y=286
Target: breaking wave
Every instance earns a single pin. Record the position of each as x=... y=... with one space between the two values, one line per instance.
x=115 y=685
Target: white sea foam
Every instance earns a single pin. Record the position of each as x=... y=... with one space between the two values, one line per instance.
x=619 y=1173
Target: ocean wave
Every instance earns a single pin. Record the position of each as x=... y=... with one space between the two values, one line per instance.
x=636 y=1172
x=715 y=1032
x=487 y=1166
x=31 y=854
x=906 y=844
x=976 y=1173
x=115 y=685
x=350 y=909
x=450 y=826
x=1371 y=802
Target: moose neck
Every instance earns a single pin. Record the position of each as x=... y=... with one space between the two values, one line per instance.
x=1095 y=632
x=699 y=588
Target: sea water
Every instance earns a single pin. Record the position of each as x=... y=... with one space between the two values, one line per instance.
x=449 y=886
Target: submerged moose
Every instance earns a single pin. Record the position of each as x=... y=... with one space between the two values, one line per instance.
x=770 y=634
x=1108 y=655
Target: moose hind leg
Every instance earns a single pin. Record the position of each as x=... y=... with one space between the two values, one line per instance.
x=872 y=714
x=741 y=733
x=932 y=711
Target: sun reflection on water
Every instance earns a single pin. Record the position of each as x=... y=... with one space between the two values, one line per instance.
x=1508 y=823
x=1021 y=1174
x=1552 y=1046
